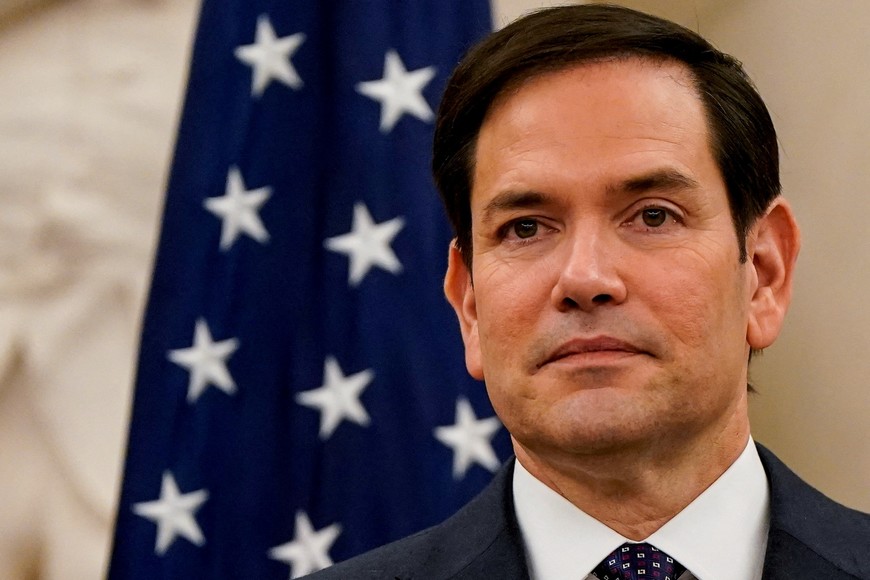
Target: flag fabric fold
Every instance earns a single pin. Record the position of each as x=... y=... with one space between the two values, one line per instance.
x=301 y=395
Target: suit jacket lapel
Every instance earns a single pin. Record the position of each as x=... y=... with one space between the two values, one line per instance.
x=500 y=555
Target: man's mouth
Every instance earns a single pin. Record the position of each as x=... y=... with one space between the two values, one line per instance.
x=591 y=349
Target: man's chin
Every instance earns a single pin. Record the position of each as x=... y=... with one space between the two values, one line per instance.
x=595 y=423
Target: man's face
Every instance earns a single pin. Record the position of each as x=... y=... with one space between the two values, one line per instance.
x=607 y=306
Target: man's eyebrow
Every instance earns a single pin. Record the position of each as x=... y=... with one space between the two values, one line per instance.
x=658 y=180
x=510 y=200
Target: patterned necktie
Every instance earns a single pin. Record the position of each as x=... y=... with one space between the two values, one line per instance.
x=638 y=562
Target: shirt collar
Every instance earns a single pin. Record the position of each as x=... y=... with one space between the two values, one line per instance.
x=721 y=535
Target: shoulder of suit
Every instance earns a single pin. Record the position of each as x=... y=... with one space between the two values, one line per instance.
x=483 y=530
x=803 y=518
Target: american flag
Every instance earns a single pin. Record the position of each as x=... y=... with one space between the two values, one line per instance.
x=301 y=394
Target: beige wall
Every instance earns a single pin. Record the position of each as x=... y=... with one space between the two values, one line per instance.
x=90 y=92
x=809 y=59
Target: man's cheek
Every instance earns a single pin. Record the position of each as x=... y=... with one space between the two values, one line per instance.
x=507 y=328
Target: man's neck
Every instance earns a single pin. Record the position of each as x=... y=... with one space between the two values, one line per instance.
x=636 y=490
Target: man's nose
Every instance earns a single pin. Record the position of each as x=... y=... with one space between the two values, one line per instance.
x=589 y=273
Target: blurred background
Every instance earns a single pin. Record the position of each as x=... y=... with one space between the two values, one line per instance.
x=90 y=92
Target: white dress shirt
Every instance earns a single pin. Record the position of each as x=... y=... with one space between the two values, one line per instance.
x=721 y=535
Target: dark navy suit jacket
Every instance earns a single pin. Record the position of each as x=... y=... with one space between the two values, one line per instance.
x=811 y=538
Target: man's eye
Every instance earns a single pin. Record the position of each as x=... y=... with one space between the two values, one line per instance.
x=654 y=217
x=525 y=229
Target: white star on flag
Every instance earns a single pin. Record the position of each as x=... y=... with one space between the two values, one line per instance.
x=399 y=92
x=470 y=438
x=338 y=398
x=367 y=244
x=206 y=361
x=309 y=550
x=238 y=208
x=173 y=514
x=270 y=57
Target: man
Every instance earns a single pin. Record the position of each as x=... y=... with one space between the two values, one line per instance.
x=622 y=248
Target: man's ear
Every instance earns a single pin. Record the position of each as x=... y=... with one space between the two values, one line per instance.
x=777 y=243
x=460 y=294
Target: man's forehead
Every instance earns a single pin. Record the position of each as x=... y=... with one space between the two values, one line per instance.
x=637 y=97
x=620 y=64
x=627 y=111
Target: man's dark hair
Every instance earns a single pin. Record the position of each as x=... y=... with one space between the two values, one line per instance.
x=742 y=137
